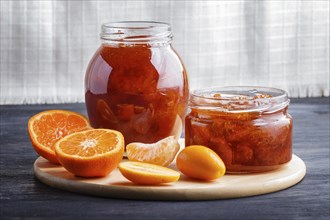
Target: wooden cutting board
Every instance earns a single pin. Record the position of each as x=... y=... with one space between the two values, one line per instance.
x=229 y=186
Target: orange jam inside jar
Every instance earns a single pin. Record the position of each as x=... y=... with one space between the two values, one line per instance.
x=248 y=127
x=136 y=82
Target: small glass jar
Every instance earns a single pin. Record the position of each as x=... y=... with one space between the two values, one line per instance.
x=248 y=127
x=136 y=83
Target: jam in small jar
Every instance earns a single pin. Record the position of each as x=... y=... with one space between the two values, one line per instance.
x=248 y=127
x=136 y=82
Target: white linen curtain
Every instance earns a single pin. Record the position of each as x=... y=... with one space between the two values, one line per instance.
x=46 y=45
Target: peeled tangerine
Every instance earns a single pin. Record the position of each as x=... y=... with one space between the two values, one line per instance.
x=200 y=162
x=161 y=153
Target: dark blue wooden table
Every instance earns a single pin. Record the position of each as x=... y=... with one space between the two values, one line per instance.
x=25 y=197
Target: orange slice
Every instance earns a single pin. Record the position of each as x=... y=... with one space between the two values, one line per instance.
x=160 y=153
x=200 y=162
x=45 y=128
x=91 y=153
x=147 y=174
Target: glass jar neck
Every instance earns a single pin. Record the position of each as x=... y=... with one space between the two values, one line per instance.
x=239 y=99
x=131 y=33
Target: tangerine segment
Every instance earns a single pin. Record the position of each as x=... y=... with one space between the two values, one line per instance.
x=46 y=127
x=160 y=153
x=147 y=174
x=91 y=153
x=200 y=162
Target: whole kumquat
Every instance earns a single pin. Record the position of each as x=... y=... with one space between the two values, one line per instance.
x=200 y=162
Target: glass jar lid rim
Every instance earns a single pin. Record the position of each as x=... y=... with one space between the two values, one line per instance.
x=136 y=25
x=232 y=92
x=239 y=98
x=137 y=32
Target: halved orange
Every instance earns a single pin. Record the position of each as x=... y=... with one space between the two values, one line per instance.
x=147 y=174
x=91 y=153
x=160 y=153
x=46 y=127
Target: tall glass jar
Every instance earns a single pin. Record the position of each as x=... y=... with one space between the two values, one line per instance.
x=136 y=82
x=249 y=127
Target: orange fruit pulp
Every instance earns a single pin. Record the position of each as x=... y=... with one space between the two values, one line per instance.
x=46 y=127
x=91 y=153
x=200 y=162
x=147 y=174
x=160 y=153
